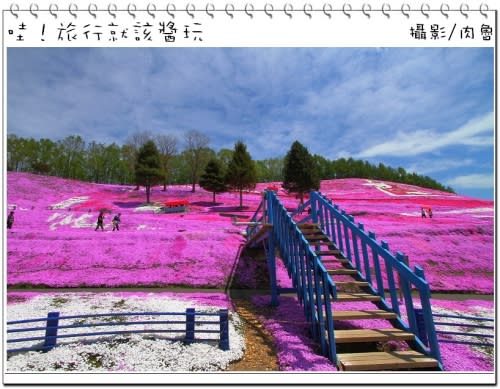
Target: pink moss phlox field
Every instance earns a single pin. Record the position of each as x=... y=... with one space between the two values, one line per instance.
x=53 y=242
x=454 y=247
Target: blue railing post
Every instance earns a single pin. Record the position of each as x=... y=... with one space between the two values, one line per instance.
x=332 y=351
x=366 y=261
x=271 y=263
x=390 y=280
x=190 y=314
x=339 y=230
x=430 y=329
x=422 y=334
x=406 y=289
x=347 y=239
x=224 y=330
x=51 y=331
x=319 y=303
x=356 y=249
x=314 y=209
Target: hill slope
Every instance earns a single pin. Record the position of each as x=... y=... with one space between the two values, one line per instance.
x=53 y=242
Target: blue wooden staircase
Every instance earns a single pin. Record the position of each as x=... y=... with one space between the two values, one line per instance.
x=331 y=259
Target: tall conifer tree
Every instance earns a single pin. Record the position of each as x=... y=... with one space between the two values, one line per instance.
x=212 y=178
x=300 y=173
x=148 y=167
x=241 y=173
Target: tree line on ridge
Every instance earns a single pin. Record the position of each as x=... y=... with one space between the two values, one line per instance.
x=191 y=162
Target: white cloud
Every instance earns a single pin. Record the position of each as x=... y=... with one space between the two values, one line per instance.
x=476 y=132
x=476 y=181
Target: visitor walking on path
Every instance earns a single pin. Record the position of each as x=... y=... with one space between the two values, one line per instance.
x=10 y=220
x=100 y=221
x=116 y=222
x=429 y=211
x=423 y=212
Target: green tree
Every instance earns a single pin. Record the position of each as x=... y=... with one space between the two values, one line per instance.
x=212 y=179
x=225 y=156
x=241 y=173
x=148 y=167
x=300 y=173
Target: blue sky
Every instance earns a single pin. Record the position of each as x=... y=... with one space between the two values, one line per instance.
x=428 y=110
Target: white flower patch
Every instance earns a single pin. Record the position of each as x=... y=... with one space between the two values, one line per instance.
x=81 y=221
x=148 y=208
x=69 y=202
x=127 y=352
x=54 y=216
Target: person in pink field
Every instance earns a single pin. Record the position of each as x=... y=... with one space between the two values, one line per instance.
x=422 y=211
x=100 y=221
x=116 y=222
x=10 y=220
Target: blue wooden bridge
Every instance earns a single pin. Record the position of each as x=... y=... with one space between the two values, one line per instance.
x=330 y=260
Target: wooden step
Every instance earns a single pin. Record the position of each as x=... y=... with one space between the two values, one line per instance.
x=306 y=226
x=363 y=314
x=371 y=335
x=325 y=243
x=328 y=252
x=311 y=230
x=314 y=238
x=343 y=296
x=359 y=284
x=335 y=260
x=392 y=360
x=341 y=272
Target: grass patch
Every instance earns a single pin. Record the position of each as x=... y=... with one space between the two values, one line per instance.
x=58 y=302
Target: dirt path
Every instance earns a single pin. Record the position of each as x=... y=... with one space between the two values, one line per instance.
x=260 y=354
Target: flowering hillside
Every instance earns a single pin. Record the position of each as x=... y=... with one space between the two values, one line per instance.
x=53 y=242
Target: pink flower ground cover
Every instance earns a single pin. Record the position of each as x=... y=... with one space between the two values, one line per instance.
x=53 y=242
x=298 y=352
x=455 y=247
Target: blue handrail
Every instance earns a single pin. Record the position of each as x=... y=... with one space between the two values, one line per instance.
x=371 y=259
x=315 y=288
x=377 y=258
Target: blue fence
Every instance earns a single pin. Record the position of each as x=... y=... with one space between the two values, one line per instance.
x=369 y=258
x=187 y=325
x=466 y=325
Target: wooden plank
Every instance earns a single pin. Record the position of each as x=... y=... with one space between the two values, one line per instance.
x=342 y=271
x=393 y=360
x=334 y=260
x=371 y=335
x=328 y=252
x=363 y=314
x=313 y=230
x=358 y=284
x=314 y=238
x=341 y=297
x=306 y=226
